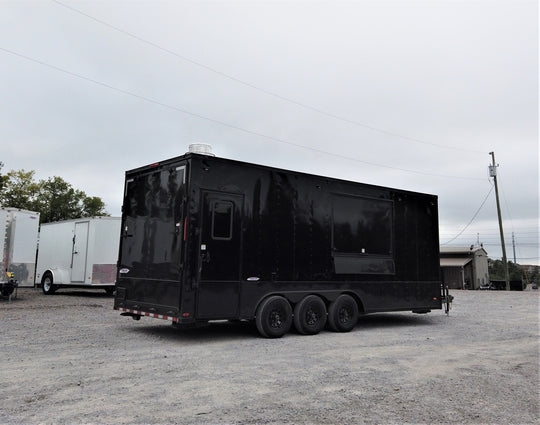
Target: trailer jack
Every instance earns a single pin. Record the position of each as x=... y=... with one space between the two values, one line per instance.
x=446 y=299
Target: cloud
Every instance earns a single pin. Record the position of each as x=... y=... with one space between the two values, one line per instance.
x=463 y=75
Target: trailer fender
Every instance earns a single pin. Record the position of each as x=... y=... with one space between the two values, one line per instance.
x=328 y=296
x=60 y=276
x=358 y=299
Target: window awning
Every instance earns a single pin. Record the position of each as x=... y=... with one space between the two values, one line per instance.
x=455 y=262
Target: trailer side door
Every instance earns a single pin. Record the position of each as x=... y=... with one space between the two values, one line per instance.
x=219 y=255
x=80 y=248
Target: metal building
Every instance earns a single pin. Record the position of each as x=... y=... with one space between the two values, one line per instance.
x=464 y=267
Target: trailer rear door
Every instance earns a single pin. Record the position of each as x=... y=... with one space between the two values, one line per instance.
x=152 y=236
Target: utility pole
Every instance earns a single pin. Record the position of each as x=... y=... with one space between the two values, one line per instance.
x=514 y=247
x=493 y=173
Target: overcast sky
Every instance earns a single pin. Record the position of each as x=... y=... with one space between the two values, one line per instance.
x=406 y=94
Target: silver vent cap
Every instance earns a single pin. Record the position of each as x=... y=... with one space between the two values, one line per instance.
x=201 y=148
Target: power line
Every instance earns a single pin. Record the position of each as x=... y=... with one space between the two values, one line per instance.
x=193 y=114
x=483 y=237
x=472 y=219
x=492 y=235
x=260 y=89
x=525 y=245
x=491 y=232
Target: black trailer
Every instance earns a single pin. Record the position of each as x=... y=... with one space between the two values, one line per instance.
x=206 y=238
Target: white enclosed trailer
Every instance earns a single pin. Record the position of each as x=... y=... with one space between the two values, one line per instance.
x=18 y=242
x=78 y=253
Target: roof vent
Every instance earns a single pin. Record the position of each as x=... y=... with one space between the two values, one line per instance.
x=201 y=149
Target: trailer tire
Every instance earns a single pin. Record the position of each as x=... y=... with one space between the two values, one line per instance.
x=310 y=315
x=343 y=314
x=7 y=289
x=274 y=317
x=48 y=285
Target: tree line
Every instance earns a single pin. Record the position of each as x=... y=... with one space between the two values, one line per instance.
x=54 y=198
x=515 y=271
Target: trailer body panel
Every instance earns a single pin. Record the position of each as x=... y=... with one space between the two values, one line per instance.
x=206 y=238
x=18 y=242
x=81 y=252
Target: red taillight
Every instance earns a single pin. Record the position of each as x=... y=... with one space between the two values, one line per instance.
x=185 y=314
x=154 y=165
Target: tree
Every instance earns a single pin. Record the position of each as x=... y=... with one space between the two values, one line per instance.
x=19 y=190
x=93 y=206
x=59 y=201
x=3 y=179
x=496 y=270
x=54 y=198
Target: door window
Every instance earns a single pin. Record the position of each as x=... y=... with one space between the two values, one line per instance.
x=222 y=220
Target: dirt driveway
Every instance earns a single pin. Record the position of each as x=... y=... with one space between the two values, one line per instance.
x=70 y=358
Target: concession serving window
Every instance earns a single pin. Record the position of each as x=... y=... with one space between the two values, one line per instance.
x=362 y=236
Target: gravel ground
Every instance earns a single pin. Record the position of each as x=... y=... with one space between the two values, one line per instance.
x=70 y=358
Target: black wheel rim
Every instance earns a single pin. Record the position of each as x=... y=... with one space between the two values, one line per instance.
x=312 y=317
x=276 y=318
x=345 y=314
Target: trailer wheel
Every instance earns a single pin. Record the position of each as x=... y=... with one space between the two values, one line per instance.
x=48 y=284
x=310 y=315
x=7 y=289
x=343 y=314
x=274 y=317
